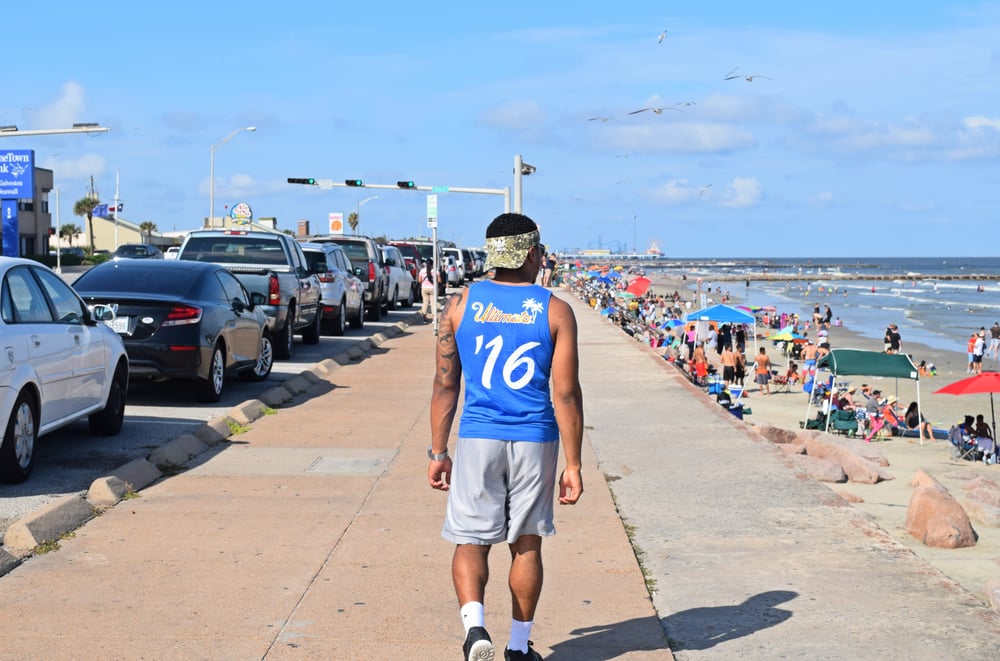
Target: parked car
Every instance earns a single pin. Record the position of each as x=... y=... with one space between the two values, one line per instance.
x=411 y=255
x=268 y=263
x=342 y=298
x=459 y=278
x=60 y=364
x=400 y=280
x=137 y=251
x=369 y=266
x=171 y=252
x=183 y=320
x=469 y=261
x=452 y=270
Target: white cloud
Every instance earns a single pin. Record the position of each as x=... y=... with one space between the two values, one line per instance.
x=675 y=191
x=980 y=122
x=743 y=192
x=62 y=112
x=823 y=199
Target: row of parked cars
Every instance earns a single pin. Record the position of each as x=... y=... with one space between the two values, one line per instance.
x=226 y=306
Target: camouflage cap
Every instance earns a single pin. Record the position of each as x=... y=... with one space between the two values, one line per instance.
x=509 y=252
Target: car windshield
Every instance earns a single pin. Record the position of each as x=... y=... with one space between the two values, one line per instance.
x=131 y=250
x=356 y=251
x=143 y=280
x=233 y=250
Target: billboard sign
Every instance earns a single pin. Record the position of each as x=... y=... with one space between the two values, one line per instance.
x=336 y=223
x=17 y=174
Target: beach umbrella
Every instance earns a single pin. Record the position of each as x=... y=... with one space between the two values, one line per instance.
x=639 y=286
x=607 y=311
x=624 y=294
x=786 y=334
x=987 y=382
x=672 y=323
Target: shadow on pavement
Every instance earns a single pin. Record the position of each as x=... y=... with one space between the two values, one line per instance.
x=706 y=627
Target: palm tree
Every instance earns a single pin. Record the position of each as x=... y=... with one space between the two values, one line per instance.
x=352 y=220
x=70 y=231
x=85 y=207
x=148 y=228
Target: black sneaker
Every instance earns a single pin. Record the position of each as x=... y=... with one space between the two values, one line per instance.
x=514 y=655
x=478 y=646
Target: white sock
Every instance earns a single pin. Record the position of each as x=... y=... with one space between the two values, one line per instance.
x=473 y=615
x=519 y=634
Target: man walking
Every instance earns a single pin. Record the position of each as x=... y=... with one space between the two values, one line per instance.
x=507 y=338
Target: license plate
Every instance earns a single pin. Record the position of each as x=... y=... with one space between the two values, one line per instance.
x=119 y=324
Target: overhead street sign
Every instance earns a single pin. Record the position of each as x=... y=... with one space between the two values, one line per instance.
x=439 y=189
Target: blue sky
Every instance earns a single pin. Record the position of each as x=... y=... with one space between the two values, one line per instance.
x=875 y=132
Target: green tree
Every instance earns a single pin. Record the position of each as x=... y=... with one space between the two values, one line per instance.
x=352 y=220
x=70 y=231
x=85 y=207
x=147 y=228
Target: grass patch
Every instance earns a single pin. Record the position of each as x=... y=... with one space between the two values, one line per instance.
x=267 y=410
x=52 y=545
x=236 y=428
x=639 y=554
x=130 y=492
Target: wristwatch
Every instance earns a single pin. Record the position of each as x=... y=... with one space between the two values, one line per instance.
x=436 y=457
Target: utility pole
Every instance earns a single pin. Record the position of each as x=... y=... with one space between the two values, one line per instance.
x=115 y=211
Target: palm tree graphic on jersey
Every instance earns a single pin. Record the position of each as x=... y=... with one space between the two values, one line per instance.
x=532 y=307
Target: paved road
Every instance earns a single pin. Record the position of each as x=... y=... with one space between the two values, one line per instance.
x=69 y=459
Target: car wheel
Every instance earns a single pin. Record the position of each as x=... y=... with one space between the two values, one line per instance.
x=265 y=361
x=393 y=300
x=283 y=340
x=211 y=388
x=108 y=421
x=358 y=322
x=408 y=303
x=310 y=334
x=17 y=455
x=339 y=321
x=375 y=311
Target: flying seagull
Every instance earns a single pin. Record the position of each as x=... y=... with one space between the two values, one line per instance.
x=599 y=119
x=658 y=111
x=704 y=188
x=730 y=76
x=749 y=79
x=663 y=35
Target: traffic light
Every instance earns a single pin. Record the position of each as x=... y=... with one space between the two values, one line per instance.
x=354 y=182
x=309 y=181
x=405 y=184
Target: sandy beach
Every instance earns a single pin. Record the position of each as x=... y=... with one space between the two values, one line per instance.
x=887 y=501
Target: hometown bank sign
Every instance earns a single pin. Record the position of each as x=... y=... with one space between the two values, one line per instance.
x=17 y=174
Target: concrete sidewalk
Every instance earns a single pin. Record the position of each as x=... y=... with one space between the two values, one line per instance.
x=314 y=535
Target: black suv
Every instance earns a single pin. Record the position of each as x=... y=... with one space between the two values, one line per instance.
x=369 y=266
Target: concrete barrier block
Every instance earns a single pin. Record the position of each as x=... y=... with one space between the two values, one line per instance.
x=356 y=351
x=137 y=474
x=178 y=451
x=328 y=365
x=247 y=412
x=310 y=376
x=394 y=330
x=378 y=339
x=7 y=561
x=296 y=384
x=106 y=491
x=214 y=431
x=47 y=524
x=275 y=397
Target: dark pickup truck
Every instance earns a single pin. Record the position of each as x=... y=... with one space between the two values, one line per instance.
x=271 y=264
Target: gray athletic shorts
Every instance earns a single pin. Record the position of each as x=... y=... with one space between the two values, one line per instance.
x=500 y=490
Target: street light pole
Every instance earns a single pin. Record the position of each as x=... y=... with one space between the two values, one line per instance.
x=357 y=212
x=211 y=175
x=635 y=247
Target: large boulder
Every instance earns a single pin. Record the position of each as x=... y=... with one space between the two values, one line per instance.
x=776 y=434
x=934 y=516
x=823 y=470
x=983 y=501
x=856 y=467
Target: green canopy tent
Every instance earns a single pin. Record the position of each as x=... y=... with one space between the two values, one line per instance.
x=848 y=362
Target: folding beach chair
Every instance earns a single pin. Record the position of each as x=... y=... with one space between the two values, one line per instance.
x=963 y=446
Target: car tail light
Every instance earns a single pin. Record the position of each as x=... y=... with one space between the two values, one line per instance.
x=273 y=290
x=371 y=271
x=326 y=277
x=180 y=315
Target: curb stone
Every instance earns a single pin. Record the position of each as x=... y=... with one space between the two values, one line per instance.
x=65 y=515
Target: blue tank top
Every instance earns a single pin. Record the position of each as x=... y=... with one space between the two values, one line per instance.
x=506 y=351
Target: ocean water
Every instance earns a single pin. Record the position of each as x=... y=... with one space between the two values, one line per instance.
x=939 y=302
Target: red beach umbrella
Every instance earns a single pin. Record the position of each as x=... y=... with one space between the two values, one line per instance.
x=980 y=383
x=639 y=286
